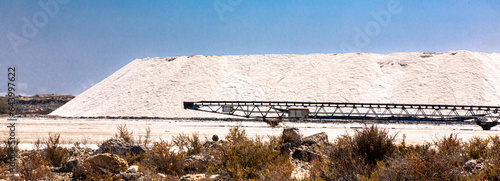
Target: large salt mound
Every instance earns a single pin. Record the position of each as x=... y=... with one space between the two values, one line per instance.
x=157 y=87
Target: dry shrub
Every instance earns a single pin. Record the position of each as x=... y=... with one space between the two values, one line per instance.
x=243 y=158
x=54 y=153
x=421 y=162
x=7 y=148
x=124 y=134
x=451 y=150
x=5 y=151
x=448 y=144
x=492 y=162
x=477 y=147
x=373 y=144
x=494 y=149
x=147 y=138
x=34 y=167
x=352 y=158
x=163 y=158
x=190 y=144
x=343 y=163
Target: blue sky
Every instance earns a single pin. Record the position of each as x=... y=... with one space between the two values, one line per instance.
x=67 y=46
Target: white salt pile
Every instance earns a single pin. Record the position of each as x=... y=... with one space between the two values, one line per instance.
x=157 y=87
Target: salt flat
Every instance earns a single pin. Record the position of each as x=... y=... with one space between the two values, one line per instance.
x=95 y=131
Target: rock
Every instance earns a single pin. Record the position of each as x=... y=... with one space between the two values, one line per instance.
x=215 y=177
x=119 y=147
x=315 y=138
x=200 y=176
x=14 y=176
x=130 y=176
x=471 y=164
x=107 y=163
x=215 y=138
x=161 y=175
x=133 y=169
x=300 y=174
x=305 y=153
x=68 y=166
x=292 y=136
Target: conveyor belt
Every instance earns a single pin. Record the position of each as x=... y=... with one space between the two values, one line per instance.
x=484 y=116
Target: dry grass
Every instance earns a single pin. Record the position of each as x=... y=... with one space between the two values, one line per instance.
x=124 y=134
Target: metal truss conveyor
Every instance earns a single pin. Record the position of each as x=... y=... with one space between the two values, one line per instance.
x=484 y=116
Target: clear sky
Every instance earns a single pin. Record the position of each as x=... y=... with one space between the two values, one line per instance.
x=67 y=46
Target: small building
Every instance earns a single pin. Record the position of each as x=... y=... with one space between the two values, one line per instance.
x=227 y=108
x=298 y=112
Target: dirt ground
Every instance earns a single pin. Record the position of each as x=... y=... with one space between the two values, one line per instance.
x=94 y=131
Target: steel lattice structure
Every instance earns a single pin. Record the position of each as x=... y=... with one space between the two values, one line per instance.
x=484 y=116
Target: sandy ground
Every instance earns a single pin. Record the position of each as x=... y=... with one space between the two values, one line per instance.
x=95 y=131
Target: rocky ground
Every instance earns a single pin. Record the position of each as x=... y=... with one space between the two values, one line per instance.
x=39 y=103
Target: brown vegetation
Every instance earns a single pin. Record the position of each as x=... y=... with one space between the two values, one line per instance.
x=369 y=154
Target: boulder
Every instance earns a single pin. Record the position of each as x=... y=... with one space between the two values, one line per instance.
x=133 y=169
x=315 y=138
x=215 y=138
x=107 y=163
x=292 y=136
x=68 y=166
x=305 y=153
x=119 y=147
